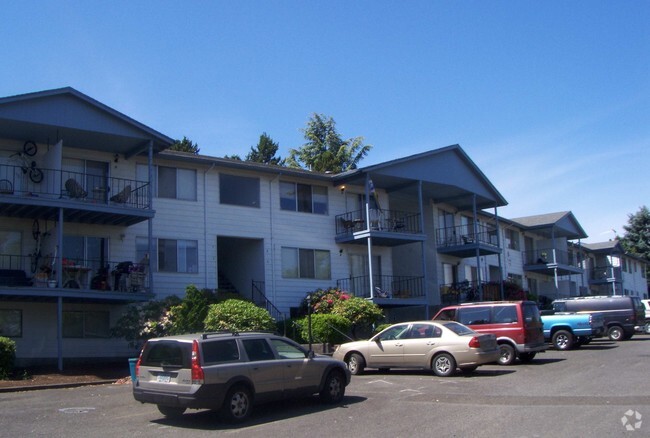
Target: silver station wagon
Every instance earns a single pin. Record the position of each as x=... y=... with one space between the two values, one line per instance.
x=230 y=372
x=442 y=346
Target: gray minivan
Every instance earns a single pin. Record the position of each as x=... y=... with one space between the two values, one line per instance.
x=622 y=313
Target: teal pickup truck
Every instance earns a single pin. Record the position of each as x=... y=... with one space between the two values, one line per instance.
x=567 y=330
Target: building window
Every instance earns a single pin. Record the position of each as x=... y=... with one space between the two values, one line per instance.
x=178 y=256
x=171 y=182
x=303 y=197
x=86 y=324
x=11 y=323
x=239 y=190
x=305 y=263
x=512 y=239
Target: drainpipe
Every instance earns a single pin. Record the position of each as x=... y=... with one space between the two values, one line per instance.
x=476 y=251
x=59 y=303
x=423 y=247
x=370 y=280
x=205 y=225
x=499 y=257
x=150 y=220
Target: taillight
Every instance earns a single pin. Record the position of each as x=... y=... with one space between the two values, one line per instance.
x=137 y=366
x=474 y=343
x=197 y=371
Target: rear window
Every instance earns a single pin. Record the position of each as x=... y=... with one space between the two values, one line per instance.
x=167 y=353
x=459 y=329
x=220 y=351
x=531 y=313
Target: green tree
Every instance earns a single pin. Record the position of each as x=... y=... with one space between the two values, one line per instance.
x=233 y=157
x=325 y=150
x=238 y=315
x=185 y=145
x=145 y=321
x=361 y=313
x=636 y=240
x=265 y=152
x=325 y=328
x=188 y=316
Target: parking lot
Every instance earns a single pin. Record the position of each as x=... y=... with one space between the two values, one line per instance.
x=600 y=390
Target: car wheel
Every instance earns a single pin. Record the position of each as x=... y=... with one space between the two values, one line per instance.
x=467 y=370
x=237 y=404
x=171 y=411
x=615 y=333
x=646 y=329
x=527 y=357
x=334 y=389
x=562 y=340
x=443 y=365
x=356 y=364
x=506 y=354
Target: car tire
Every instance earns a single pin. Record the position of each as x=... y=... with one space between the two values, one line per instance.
x=356 y=364
x=468 y=370
x=507 y=354
x=171 y=411
x=615 y=333
x=443 y=365
x=237 y=405
x=334 y=388
x=563 y=340
x=527 y=357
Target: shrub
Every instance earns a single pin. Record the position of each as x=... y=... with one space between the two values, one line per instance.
x=7 y=356
x=325 y=328
x=361 y=313
x=238 y=315
x=145 y=321
x=322 y=300
x=189 y=315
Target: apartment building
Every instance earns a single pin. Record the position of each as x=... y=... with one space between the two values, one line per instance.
x=96 y=214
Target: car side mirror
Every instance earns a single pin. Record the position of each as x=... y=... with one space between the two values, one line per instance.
x=311 y=354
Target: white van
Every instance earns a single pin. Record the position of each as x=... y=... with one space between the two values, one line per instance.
x=646 y=306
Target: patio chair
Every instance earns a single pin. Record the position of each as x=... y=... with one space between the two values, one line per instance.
x=74 y=189
x=123 y=196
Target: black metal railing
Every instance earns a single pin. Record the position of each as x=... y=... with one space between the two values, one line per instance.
x=550 y=256
x=470 y=291
x=383 y=220
x=606 y=273
x=78 y=186
x=465 y=234
x=258 y=296
x=385 y=286
x=96 y=274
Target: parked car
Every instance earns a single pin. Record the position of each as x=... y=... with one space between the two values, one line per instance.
x=441 y=346
x=230 y=372
x=645 y=328
x=516 y=324
x=622 y=313
x=567 y=330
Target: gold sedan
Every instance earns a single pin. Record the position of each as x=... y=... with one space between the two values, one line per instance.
x=442 y=346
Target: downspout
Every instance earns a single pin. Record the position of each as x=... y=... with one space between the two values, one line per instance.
x=59 y=304
x=476 y=250
x=498 y=233
x=150 y=220
x=423 y=247
x=272 y=242
x=205 y=225
x=370 y=274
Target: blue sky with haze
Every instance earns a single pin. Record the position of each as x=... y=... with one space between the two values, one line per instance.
x=550 y=99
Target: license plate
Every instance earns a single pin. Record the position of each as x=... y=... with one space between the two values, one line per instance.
x=163 y=378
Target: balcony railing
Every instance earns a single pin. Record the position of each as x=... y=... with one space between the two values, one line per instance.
x=470 y=291
x=386 y=286
x=606 y=273
x=94 y=274
x=381 y=220
x=550 y=256
x=77 y=186
x=465 y=234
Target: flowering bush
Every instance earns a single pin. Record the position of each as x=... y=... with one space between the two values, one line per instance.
x=145 y=321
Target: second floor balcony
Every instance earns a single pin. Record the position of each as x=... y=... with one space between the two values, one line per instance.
x=385 y=227
x=551 y=261
x=464 y=241
x=86 y=198
x=605 y=274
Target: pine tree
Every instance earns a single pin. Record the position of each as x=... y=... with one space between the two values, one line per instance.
x=636 y=240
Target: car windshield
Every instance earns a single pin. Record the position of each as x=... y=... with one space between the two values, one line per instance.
x=394 y=332
x=457 y=328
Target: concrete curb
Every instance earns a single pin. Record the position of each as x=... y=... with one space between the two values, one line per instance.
x=56 y=386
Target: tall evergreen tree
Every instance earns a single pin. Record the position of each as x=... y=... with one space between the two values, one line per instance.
x=637 y=234
x=325 y=150
x=265 y=152
x=185 y=145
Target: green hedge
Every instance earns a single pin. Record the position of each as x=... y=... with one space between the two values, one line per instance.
x=7 y=356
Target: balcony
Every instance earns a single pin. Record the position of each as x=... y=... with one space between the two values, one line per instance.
x=389 y=289
x=83 y=279
x=551 y=262
x=385 y=227
x=469 y=291
x=462 y=241
x=85 y=198
x=605 y=275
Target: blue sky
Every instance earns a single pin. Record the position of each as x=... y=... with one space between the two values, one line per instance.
x=550 y=99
